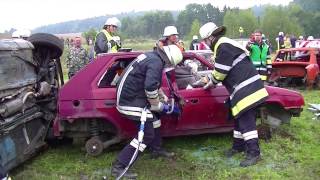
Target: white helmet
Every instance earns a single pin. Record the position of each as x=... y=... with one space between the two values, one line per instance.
x=21 y=33
x=207 y=29
x=25 y=33
x=174 y=54
x=15 y=34
x=281 y=33
x=300 y=37
x=310 y=38
x=195 y=37
x=170 y=30
x=113 y=22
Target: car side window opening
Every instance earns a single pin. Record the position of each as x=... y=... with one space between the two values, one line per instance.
x=302 y=56
x=188 y=72
x=112 y=75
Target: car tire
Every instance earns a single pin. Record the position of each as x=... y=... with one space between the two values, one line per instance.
x=94 y=146
x=50 y=41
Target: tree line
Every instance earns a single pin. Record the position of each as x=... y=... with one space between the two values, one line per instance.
x=298 y=18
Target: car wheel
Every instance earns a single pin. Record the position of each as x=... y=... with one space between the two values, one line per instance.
x=94 y=146
x=53 y=43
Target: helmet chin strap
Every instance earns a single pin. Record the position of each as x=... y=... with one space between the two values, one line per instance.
x=214 y=40
x=162 y=54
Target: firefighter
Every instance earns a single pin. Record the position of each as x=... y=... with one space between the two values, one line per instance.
x=280 y=40
x=236 y=72
x=260 y=55
x=181 y=44
x=106 y=41
x=170 y=35
x=139 y=88
x=194 y=43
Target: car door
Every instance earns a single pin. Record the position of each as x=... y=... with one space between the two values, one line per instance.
x=202 y=109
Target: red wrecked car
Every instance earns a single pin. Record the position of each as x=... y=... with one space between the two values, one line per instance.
x=296 y=67
x=87 y=103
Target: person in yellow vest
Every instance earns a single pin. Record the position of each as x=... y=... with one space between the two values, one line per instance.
x=287 y=42
x=234 y=69
x=260 y=55
x=106 y=41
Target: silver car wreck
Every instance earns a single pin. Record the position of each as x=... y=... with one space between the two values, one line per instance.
x=30 y=77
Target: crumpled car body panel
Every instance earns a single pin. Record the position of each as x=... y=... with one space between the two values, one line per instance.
x=28 y=93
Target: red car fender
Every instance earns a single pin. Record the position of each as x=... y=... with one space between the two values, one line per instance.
x=285 y=98
x=312 y=72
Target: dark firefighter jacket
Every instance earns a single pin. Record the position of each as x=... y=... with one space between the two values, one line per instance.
x=139 y=83
x=236 y=72
x=194 y=45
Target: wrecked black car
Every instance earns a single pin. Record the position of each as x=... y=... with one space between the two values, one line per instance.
x=30 y=77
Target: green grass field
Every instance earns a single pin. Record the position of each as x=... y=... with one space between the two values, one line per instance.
x=292 y=153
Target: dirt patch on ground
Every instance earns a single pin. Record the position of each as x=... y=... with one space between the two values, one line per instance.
x=285 y=134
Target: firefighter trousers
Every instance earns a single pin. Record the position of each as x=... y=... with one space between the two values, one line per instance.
x=152 y=138
x=245 y=134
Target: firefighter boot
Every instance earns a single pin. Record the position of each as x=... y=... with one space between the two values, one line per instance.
x=250 y=160
x=118 y=168
x=253 y=153
x=161 y=153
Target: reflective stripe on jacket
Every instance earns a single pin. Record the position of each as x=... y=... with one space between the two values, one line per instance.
x=236 y=72
x=114 y=48
x=260 y=58
x=139 y=84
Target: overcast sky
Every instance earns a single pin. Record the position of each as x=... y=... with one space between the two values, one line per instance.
x=29 y=14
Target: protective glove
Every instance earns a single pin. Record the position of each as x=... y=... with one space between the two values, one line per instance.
x=198 y=83
x=269 y=71
x=206 y=82
x=210 y=82
x=117 y=40
x=112 y=43
x=249 y=45
x=167 y=108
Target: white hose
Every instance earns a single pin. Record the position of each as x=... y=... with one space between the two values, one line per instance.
x=140 y=139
